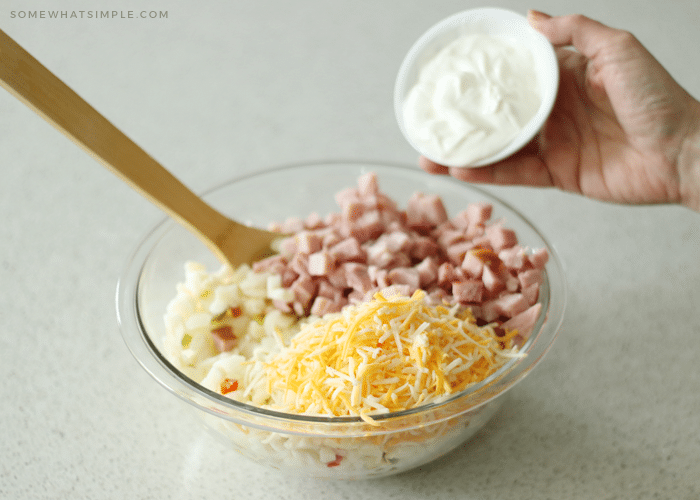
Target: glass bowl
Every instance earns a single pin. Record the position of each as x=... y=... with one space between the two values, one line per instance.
x=309 y=445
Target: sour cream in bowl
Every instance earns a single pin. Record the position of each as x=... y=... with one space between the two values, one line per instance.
x=476 y=87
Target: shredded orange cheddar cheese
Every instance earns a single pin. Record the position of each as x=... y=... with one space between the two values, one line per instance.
x=385 y=355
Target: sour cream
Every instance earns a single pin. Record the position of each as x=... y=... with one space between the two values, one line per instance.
x=472 y=98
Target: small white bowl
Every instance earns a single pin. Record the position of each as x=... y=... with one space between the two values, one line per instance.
x=487 y=21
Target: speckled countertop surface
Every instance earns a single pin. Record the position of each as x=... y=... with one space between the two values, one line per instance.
x=219 y=89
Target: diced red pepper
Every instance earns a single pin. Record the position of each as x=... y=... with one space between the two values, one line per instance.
x=229 y=385
x=336 y=462
x=224 y=332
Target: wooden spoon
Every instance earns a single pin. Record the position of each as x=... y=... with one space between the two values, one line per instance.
x=28 y=80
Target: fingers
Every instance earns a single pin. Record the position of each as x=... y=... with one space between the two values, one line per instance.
x=585 y=34
x=520 y=169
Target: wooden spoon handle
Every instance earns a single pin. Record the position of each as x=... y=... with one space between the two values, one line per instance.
x=26 y=78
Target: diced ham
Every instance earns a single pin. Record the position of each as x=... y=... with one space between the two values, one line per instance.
x=378 y=275
x=427 y=271
x=404 y=276
x=531 y=293
x=447 y=274
x=530 y=277
x=314 y=221
x=348 y=249
x=513 y=258
x=371 y=245
x=538 y=259
x=457 y=251
x=292 y=225
x=357 y=276
x=275 y=264
x=448 y=237
x=288 y=277
x=479 y=213
x=501 y=237
x=367 y=227
x=353 y=211
x=492 y=281
x=367 y=184
x=507 y=305
x=308 y=242
x=320 y=263
x=397 y=241
x=300 y=263
x=346 y=196
x=461 y=220
x=473 y=266
x=304 y=289
x=423 y=247
x=324 y=305
x=468 y=291
x=524 y=322
x=224 y=338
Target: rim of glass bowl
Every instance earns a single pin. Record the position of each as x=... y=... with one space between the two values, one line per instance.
x=143 y=348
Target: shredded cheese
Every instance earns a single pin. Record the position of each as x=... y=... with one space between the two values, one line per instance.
x=384 y=355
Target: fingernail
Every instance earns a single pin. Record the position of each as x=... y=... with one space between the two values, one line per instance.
x=535 y=17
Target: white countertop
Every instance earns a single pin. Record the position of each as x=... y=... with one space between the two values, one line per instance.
x=219 y=89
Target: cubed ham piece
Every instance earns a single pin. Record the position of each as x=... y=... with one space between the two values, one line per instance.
x=320 y=263
x=397 y=241
x=288 y=277
x=292 y=225
x=427 y=271
x=423 y=247
x=224 y=338
x=314 y=221
x=300 y=263
x=275 y=264
x=468 y=291
x=513 y=258
x=501 y=237
x=425 y=211
x=530 y=277
x=323 y=305
x=447 y=237
x=404 y=276
x=304 y=288
x=353 y=211
x=461 y=221
x=473 y=266
x=378 y=275
x=507 y=305
x=348 y=249
x=367 y=184
x=493 y=281
x=524 y=322
x=346 y=196
x=479 y=213
x=308 y=242
x=457 y=251
x=367 y=227
x=538 y=259
x=531 y=293
x=447 y=274
x=357 y=276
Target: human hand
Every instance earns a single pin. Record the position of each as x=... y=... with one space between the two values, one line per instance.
x=621 y=130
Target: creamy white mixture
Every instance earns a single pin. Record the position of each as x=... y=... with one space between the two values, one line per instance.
x=472 y=99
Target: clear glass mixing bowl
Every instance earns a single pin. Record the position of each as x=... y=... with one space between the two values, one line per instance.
x=309 y=445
